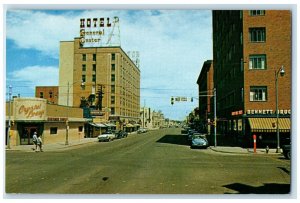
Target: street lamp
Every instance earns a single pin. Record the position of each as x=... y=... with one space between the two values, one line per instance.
x=281 y=72
x=67 y=120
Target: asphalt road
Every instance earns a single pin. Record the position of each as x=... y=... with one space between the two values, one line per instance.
x=157 y=162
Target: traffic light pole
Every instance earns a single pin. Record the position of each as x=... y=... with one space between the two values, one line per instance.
x=215 y=113
x=215 y=116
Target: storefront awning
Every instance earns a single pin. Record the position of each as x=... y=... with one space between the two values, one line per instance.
x=98 y=125
x=110 y=124
x=269 y=124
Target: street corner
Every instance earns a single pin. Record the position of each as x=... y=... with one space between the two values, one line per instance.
x=230 y=150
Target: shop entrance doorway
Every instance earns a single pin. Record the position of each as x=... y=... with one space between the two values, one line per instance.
x=27 y=134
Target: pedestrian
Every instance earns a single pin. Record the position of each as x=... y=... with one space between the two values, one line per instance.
x=35 y=140
x=40 y=143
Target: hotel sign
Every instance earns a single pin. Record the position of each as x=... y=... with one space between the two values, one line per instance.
x=96 y=32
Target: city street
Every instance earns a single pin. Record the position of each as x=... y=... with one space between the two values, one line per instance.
x=156 y=162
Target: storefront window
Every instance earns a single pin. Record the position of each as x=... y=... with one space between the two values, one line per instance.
x=53 y=130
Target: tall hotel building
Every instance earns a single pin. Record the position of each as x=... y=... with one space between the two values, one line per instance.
x=104 y=79
x=249 y=49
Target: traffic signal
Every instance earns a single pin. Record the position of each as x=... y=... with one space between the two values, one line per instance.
x=172 y=100
x=192 y=99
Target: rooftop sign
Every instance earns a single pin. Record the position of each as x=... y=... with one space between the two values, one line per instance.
x=99 y=32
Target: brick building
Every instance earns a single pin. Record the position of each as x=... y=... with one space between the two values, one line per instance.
x=205 y=90
x=104 y=79
x=47 y=92
x=249 y=48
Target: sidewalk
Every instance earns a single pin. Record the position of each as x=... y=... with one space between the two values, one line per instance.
x=240 y=150
x=62 y=146
x=54 y=146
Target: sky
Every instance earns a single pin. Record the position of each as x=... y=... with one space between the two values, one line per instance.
x=173 y=45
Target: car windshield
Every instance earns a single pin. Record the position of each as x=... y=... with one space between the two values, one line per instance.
x=198 y=136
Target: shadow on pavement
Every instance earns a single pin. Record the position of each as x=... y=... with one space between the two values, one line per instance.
x=174 y=139
x=267 y=188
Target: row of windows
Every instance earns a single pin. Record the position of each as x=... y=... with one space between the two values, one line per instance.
x=257 y=12
x=257 y=94
x=42 y=95
x=84 y=57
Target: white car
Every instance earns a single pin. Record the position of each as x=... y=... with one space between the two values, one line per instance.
x=106 y=137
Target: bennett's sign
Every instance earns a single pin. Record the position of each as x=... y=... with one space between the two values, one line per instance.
x=96 y=32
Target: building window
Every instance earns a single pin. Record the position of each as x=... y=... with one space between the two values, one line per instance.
x=83 y=67
x=113 y=77
x=113 y=67
x=112 y=110
x=84 y=57
x=258 y=93
x=113 y=89
x=113 y=57
x=83 y=78
x=257 y=12
x=112 y=99
x=257 y=62
x=41 y=94
x=50 y=95
x=94 y=67
x=94 y=78
x=80 y=128
x=257 y=34
x=94 y=57
x=53 y=130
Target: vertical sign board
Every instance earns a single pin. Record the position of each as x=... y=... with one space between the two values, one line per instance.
x=96 y=32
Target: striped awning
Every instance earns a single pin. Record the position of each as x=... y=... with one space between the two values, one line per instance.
x=269 y=124
x=98 y=125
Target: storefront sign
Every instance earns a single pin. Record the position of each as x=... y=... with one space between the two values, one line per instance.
x=97 y=32
x=29 y=109
x=235 y=113
x=57 y=119
x=268 y=111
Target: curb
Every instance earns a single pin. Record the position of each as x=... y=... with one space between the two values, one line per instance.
x=227 y=152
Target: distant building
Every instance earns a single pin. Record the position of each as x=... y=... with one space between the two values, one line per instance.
x=205 y=92
x=47 y=92
x=146 y=117
x=249 y=47
x=103 y=80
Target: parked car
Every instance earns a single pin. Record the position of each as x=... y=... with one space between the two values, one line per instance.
x=106 y=137
x=199 y=141
x=121 y=134
x=286 y=151
x=190 y=134
x=142 y=130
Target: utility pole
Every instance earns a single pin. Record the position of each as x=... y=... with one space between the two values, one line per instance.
x=215 y=116
x=9 y=116
x=100 y=96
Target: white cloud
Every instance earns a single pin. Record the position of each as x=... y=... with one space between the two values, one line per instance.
x=173 y=44
x=36 y=75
